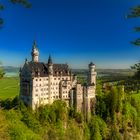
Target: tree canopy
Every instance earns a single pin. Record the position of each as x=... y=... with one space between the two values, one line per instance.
x=2 y=73
x=25 y=3
x=135 y=13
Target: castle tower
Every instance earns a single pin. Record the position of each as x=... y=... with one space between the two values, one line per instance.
x=35 y=53
x=92 y=74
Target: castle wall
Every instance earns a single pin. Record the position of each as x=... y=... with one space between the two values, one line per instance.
x=79 y=97
x=45 y=91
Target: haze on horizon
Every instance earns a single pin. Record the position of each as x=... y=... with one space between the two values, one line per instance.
x=73 y=31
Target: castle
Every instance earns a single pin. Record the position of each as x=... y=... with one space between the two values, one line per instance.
x=43 y=83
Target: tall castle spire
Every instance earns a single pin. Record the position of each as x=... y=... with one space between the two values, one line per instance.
x=50 y=65
x=35 y=52
x=49 y=60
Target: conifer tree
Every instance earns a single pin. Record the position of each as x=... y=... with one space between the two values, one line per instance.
x=25 y=3
x=2 y=73
x=135 y=13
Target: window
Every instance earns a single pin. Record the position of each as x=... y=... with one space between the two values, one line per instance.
x=26 y=88
x=36 y=94
x=54 y=78
x=36 y=79
x=36 y=90
x=40 y=79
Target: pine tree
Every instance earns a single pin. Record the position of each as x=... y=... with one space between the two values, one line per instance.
x=25 y=3
x=134 y=13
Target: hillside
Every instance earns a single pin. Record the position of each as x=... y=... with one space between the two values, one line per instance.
x=117 y=117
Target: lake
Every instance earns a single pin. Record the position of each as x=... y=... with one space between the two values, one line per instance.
x=11 y=74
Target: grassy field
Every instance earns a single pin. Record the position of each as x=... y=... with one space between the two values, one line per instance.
x=9 y=87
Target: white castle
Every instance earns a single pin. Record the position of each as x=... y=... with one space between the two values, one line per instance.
x=43 y=83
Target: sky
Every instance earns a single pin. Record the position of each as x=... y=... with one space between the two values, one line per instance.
x=72 y=31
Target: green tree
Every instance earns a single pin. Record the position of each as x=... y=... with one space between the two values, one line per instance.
x=2 y=73
x=95 y=131
x=29 y=119
x=114 y=134
x=134 y=81
x=3 y=126
x=17 y=129
x=25 y=3
x=136 y=68
x=135 y=13
x=98 y=128
x=73 y=132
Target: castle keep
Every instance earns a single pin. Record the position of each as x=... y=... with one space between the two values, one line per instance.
x=42 y=83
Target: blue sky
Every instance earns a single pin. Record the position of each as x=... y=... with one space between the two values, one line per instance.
x=72 y=31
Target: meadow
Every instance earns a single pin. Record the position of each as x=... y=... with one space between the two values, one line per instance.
x=9 y=87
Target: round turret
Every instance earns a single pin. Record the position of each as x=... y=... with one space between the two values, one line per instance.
x=92 y=65
x=92 y=74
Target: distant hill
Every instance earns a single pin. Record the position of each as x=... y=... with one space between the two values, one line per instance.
x=100 y=72
x=107 y=74
x=105 y=71
x=11 y=69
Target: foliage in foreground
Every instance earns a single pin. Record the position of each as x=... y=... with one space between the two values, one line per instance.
x=2 y=72
x=117 y=118
x=50 y=122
